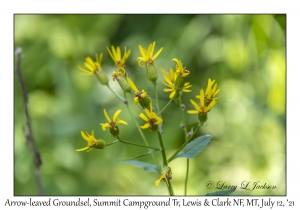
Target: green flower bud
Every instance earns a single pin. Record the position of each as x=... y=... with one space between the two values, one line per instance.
x=151 y=72
x=102 y=78
x=179 y=83
x=114 y=131
x=145 y=102
x=124 y=84
x=100 y=144
x=202 y=118
x=154 y=128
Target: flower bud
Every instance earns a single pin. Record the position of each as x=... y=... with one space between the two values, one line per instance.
x=151 y=72
x=102 y=78
x=154 y=128
x=114 y=131
x=120 y=76
x=202 y=118
x=145 y=102
x=179 y=83
x=100 y=144
x=124 y=84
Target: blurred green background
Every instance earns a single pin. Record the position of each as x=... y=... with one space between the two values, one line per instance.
x=245 y=54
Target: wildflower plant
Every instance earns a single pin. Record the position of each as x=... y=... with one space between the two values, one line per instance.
x=176 y=83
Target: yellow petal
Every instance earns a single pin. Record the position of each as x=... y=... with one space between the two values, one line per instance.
x=192 y=111
x=136 y=100
x=100 y=59
x=116 y=115
x=84 y=136
x=79 y=150
x=144 y=117
x=195 y=105
x=156 y=54
x=105 y=126
x=202 y=98
x=172 y=94
x=139 y=60
x=142 y=51
x=157 y=182
x=216 y=92
x=185 y=90
x=111 y=55
x=150 y=50
x=158 y=120
x=147 y=125
x=132 y=85
x=168 y=80
x=211 y=104
x=168 y=89
x=106 y=116
x=83 y=69
x=123 y=122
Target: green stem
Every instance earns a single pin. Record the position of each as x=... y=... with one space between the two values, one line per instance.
x=139 y=129
x=165 y=162
x=116 y=94
x=186 y=176
x=185 y=137
x=183 y=119
x=156 y=96
x=185 y=143
x=139 y=145
x=135 y=122
x=112 y=143
x=165 y=106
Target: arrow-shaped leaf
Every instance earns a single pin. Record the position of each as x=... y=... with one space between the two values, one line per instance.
x=194 y=147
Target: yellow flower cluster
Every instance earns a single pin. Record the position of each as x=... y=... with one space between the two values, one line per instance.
x=174 y=79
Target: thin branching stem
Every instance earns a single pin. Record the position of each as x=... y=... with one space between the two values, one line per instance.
x=185 y=137
x=134 y=144
x=37 y=161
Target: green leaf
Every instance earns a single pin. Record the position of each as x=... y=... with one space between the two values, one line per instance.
x=221 y=192
x=194 y=147
x=141 y=155
x=146 y=166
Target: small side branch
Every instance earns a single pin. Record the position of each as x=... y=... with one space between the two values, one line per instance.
x=37 y=161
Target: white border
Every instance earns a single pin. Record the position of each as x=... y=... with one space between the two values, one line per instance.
x=237 y=7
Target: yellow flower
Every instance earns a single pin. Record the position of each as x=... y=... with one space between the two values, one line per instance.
x=170 y=78
x=92 y=142
x=115 y=54
x=138 y=95
x=92 y=67
x=170 y=75
x=116 y=75
x=164 y=176
x=180 y=70
x=147 y=55
x=202 y=109
x=112 y=124
x=210 y=93
x=152 y=119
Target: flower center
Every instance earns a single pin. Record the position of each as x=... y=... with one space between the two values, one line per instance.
x=140 y=95
x=113 y=125
x=152 y=122
x=116 y=75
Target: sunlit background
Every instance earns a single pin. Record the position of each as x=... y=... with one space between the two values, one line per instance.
x=245 y=54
